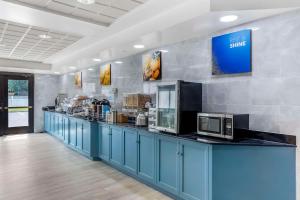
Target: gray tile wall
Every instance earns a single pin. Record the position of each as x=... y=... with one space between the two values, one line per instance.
x=271 y=94
x=45 y=92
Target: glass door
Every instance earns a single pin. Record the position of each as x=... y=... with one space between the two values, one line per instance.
x=17 y=101
x=166 y=108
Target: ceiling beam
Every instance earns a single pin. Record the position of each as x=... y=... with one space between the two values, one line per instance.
x=23 y=64
x=231 y=5
x=58 y=13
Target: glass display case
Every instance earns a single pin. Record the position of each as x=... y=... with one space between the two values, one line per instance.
x=166 y=107
x=177 y=106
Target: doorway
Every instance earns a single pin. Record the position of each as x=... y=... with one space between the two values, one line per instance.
x=16 y=103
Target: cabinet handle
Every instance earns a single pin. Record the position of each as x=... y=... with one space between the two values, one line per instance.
x=178 y=153
x=181 y=154
x=138 y=142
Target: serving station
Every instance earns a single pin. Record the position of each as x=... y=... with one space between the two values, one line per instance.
x=188 y=166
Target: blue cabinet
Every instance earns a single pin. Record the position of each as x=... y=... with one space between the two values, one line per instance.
x=104 y=142
x=79 y=133
x=146 y=156
x=86 y=138
x=195 y=170
x=167 y=161
x=116 y=145
x=66 y=129
x=72 y=132
x=130 y=140
x=47 y=122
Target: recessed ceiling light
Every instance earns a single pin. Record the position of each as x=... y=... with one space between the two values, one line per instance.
x=87 y=2
x=97 y=59
x=90 y=69
x=72 y=67
x=45 y=36
x=255 y=28
x=139 y=46
x=229 y=18
x=118 y=62
x=164 y=51
x=56 y=72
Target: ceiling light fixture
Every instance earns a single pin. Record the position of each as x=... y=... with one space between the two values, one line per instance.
x=229 y=18
x=72 y=67
x=164 y=51
x=56 y=72
x=87 y=2
x=118 y=62
x=90 y=69
x=255 y=28
x=139 y=46
x=45 y=36
x=97 y=59
x=2 y=45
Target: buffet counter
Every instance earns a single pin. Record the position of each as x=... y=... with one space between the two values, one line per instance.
x=186 y=166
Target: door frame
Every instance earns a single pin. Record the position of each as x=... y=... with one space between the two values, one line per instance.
x=4 y=77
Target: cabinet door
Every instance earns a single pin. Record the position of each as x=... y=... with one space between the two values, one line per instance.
x=194 y=171
x=130 y=150
x=66 y=130
x=79 y=134
x=52 y=125
x=104 y=142
x=167 y=163
x=146 y=156
x=46 y=122
x=116 y=145
x=86 y=140
x=73 y=130
x=60 y=126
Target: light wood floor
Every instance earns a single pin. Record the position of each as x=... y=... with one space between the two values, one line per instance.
x=38 y=167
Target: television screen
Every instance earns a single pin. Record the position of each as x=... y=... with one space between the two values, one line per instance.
x=231 y=53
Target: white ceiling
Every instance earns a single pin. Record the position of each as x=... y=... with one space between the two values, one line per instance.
x=153 y=23
x=20 y=41
x=103 y=12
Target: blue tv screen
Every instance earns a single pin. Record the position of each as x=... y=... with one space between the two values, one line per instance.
x=231 y=53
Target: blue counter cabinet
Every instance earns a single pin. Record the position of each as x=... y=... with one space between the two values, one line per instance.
x=104 y=141
x=47 y=122
x=195 y=170
x=130 y=149
x=253 y=172
x=78 y=134
x=146 y=156
x=116 y=156
x=167 y=163
x=66 y=130
x=72 y=132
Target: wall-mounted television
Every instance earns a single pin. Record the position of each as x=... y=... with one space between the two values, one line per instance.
x=231 y=53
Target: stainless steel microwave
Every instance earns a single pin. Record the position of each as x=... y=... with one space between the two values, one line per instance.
x=221 y=125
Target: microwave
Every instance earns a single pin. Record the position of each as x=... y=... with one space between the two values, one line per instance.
x=221 y=125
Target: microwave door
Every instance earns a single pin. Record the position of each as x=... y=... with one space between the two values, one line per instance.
x=210 y=126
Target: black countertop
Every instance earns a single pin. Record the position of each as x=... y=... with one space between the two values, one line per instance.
x=247 y=137
x=242 y=137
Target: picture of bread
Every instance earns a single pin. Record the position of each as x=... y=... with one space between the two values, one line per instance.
x=105 y=74
x=152 y=66
x=78 y=79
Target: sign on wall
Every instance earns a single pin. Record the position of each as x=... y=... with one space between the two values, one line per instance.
x=231 y=53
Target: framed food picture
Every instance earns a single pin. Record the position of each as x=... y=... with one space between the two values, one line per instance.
x=152 y=66
x=105 y=74
x=78 y=79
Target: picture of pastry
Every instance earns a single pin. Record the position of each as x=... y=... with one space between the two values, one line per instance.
x=105 y=74
x=78 y=79
x=152 y=66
